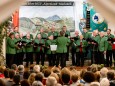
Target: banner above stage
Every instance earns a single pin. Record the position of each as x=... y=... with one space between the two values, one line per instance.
x=50 y=3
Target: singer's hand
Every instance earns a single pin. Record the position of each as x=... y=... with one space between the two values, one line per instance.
x=104 y=52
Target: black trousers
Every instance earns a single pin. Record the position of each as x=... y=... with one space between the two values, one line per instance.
x=67 y=54
x=61 y=59
x=19 y=58
x=113 y=52
x=73 y=52
x=101 y=57
x=52 y=59
x=10 y=59
x=109 y=58
x=95 y=57
x=40 y=56
x=29 y=58
x=80 y=58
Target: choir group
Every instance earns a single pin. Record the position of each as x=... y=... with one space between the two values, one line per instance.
x=21 y=48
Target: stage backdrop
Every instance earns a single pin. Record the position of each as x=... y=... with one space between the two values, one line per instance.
x=39 y=14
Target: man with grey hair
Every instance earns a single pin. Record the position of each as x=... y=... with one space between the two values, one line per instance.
x=51 y=81
x=21 y=71
x=104 y=82
x=103 y=73
x=73 y=48
x=36 y=68
x=95 y=40
x=103 y=45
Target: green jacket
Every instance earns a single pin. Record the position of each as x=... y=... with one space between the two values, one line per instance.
x=48 y=43
x=62 y=43
x=10 y=45
x=43 y=35
x=67 y=33
x=84 y=45
x=103 y=44
x=55 y=34
x=28 y=47
x=74 y=42
x=109 y=44
x=18 y=50
x=97 y=39
x=86 y=35
x=37 y=49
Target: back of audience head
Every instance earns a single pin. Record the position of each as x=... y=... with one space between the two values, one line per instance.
x=21 y=68
x=104 y=82
x=55 y=76
x=2 y=83
x=103 y=72
x=11 y=73
x=14 y=67
x=74 y=77
x=1 y=69
x=39 y=77
x=97 y=76
x=16 y=79
x=25 y=83
x=89 y=77
x=111 y=75
x=6 y=73
x=26 y=74
x=37 y=83
x=31 y=78
x=51 y=81
x=47 y=72
x=36 y=68
x=95 y=84
x=55 y=70
x=82 y=72
x=65 y=75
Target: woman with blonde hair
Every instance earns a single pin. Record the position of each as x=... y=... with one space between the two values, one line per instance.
x=31 y=78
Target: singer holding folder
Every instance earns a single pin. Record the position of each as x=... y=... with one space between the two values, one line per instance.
x=39 y=45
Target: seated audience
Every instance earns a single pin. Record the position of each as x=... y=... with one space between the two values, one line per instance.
x=36 y=69
x=11 y=75
x=2 y=83
x=65 y=76
x=14 y=67
x=16 y=80
x=111 y=77
x=104 y=82
x=26 y=74
x=25 y=83
x=1 y=72
x=95 y=84
x=46 y=73
x=82 y=72
x=103 y=73
x=88 y=77
x=74 y=78
x=51 y=81
x=31 y=78
x=38 y=80
x=21 y=71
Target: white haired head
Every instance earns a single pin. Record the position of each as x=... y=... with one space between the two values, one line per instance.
x=103 y=72
x=104 y=82
x=36 y=68
x=51 y=81
x=21 y=68
x=37 y=83
x=95 y=84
